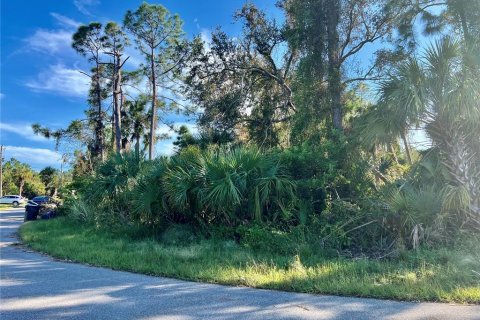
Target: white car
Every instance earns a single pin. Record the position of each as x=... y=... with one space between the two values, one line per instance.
x=13 y=200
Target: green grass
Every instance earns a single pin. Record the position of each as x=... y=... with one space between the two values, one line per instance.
x=447 y=276
x=9 y=206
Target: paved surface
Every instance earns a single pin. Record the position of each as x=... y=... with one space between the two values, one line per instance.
x=34 y=286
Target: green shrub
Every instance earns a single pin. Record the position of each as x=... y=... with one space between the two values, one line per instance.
x=147 y=197
x=221 y=232
x=268 y=239
x=417 y=214
x=219 y=186
x=179 y=234
x=79 y=210
x=228 y=186
x=265 y=200
x=358 y=226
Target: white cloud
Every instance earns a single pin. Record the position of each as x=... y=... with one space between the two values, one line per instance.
x=60 y=80
x=196 y=23
x=164 y=129
x=35 y=157
x=49 y=41
x=53 y=41
x=166 y=147
x=135 y=58
x=23 y=130
x=84 y=6
x=65 y=22
x=206 y=37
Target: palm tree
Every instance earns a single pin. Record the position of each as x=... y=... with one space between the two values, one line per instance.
x=441 y=92
x=377 y=128
x=136 y=120
x=22 y=173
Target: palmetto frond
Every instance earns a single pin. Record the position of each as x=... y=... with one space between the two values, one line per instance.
x=443 y=93
x=114 y=176
x=229 y=184
x=148 y=196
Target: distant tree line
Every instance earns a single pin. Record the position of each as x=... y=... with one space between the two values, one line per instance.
x=20 y=179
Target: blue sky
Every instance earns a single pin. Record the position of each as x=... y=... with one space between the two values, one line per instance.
x=40 y=81
x=40 y=78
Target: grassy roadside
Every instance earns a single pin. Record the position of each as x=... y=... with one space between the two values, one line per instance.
x=9 y=206
x=435 y=276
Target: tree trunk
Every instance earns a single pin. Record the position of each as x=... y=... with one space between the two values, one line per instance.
x=112 y=118
x=20 y=187
x=99 y=121
x=334 y=64
x=137 y=145
x=90 y=162
x=407 y=147
x=126 y=144
x=461 y=162
x=112 y=122
x=153 y=122
x=466 y=34
x=392 y=151
x=118 y=111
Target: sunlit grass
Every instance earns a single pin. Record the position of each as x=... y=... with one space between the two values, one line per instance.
x=433 y=276
x=11 y=206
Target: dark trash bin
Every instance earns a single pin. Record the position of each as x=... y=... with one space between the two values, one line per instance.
x=31 y=211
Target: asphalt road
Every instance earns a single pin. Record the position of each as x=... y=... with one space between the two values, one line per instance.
x=34 y=286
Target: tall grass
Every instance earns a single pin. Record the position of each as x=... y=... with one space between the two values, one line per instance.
x=442 y=275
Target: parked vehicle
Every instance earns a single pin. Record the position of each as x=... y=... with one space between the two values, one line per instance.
x=42 y=206
x=13 y=200
x=41 y=200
